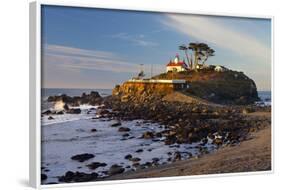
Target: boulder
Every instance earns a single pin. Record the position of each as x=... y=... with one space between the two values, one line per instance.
x=177 y=156
x=124 y=129
x=74 y=111
x=50 y=118
x=59 y=112
x=43 y=177
x=128 y=156
x=139 y=150
x=148 y=135
x=135 y=159
x=93 y=130
x=48 y=112
x=218 y=141
x=95 y=165
x=115 y=169
x=155 y=160
x=78 y=177
x=116 y=124
x=82 y=157
x=102 y=112
x=66 y=107
x=125 y=135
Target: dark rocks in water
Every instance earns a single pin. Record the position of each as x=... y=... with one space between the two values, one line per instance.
x=123 y=129
x=125 y=135
x=135 y=159
x=218 y=141
x=141 y=166
x=59 y=112
x=139 y=150
x=50 y=118
x=148 y=135
x=147 y=164
x=135 y=164
x=102 y=112
x=154 y=160
x=74 y=111
x=66 y=107
x=95 y=165
x=48 y=112
x=77 y=177
x=116 y=124
x=43 y=177
x=159 y=134
x=115 y=169
x=177 y=156
x=63 y=97
x=82 y=157
x=93 y=130
x=170 y=140
x=174 y=146
x=93 y=99
x=128 y=157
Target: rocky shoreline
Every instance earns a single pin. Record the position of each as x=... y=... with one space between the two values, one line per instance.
x=183 y=123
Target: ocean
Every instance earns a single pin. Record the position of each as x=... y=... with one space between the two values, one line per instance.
x=265 y=97
x=45 y=92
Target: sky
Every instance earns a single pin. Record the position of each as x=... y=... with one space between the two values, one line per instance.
x=99 y=48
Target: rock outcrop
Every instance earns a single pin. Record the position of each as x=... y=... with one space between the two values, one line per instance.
x=93 y=99
x=228 y=87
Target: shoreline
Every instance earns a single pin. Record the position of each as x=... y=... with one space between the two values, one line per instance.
x=253 y=154
x=185 y=120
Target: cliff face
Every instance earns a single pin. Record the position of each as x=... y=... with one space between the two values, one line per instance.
x=228 y=87
x=137 y=90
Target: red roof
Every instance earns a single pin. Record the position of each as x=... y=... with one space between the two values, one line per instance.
x=180 y=63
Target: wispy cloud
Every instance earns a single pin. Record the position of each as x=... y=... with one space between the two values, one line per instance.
x=81 y=59
x=208 y=30
x=138 y=40
x=71 y=67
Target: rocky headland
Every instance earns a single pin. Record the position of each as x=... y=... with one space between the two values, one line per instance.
x=218 y=108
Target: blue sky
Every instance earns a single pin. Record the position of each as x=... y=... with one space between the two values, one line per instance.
x=98 y=48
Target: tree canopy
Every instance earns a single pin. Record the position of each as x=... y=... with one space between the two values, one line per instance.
x=196 y=53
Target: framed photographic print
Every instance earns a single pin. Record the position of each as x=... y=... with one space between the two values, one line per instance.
x=124 y=94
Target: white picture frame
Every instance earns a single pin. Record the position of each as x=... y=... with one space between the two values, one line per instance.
x=35 y=92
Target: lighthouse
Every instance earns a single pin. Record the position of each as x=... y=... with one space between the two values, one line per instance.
x=177 y=59
x=176 y=65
